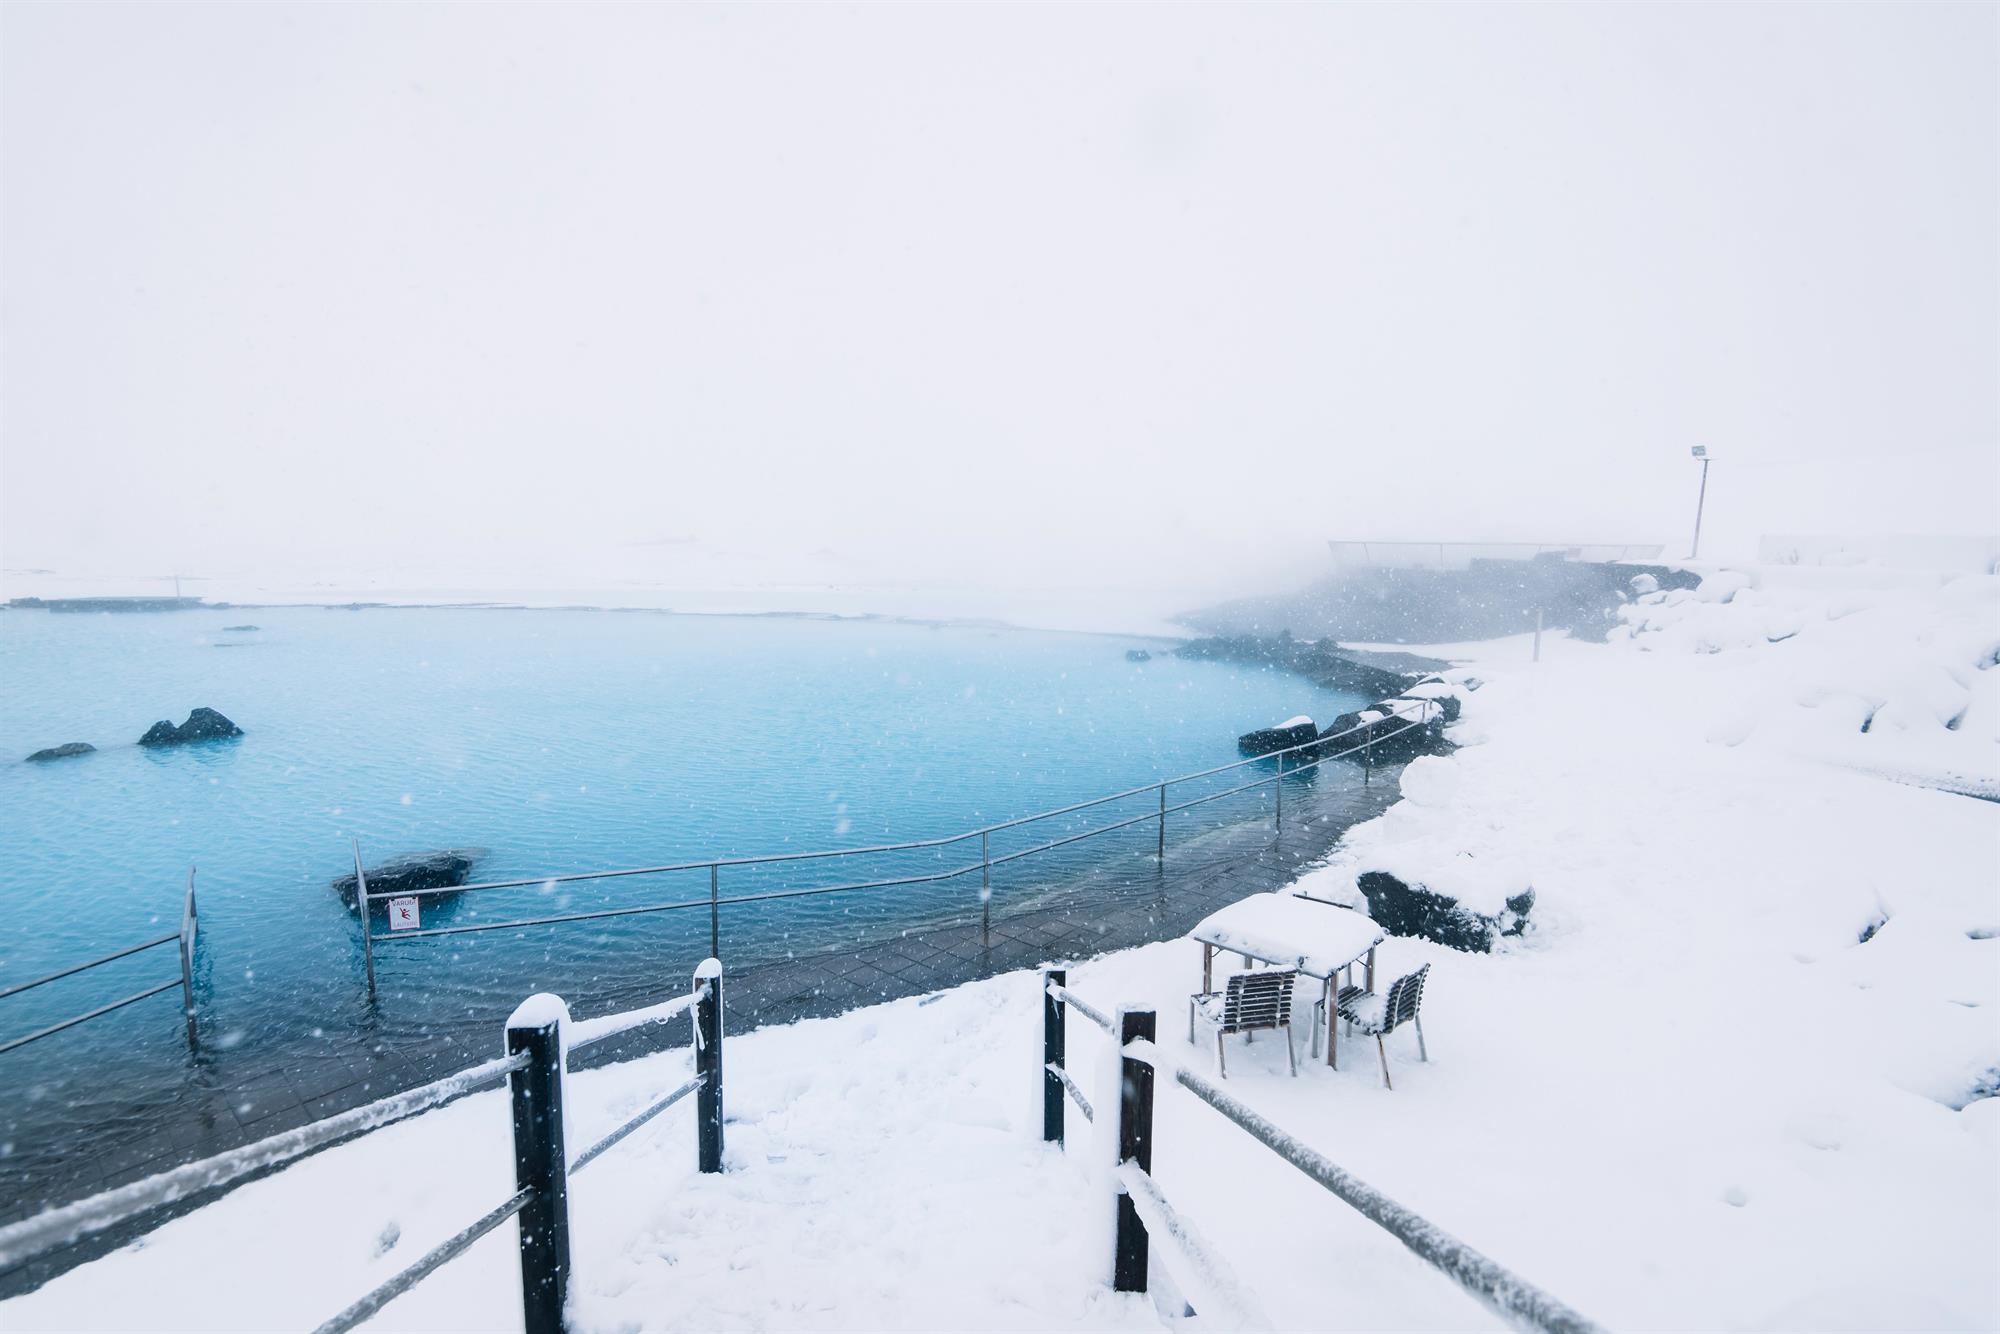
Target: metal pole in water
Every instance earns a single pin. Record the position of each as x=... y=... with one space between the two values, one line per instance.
x=714 y=911
x=367 y=931
x=1161 y=851
x=188 y=928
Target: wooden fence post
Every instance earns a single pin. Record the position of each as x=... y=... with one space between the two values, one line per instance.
x=708 y=1064
x=540 y=1164
x=1135 y=1145
x=1055 y=1044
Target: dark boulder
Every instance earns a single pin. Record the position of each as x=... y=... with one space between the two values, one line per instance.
x=1416 y=910
x=1137 y=655
x=62 y=752
x=446 y=868
x=1265 y=740
x=201 y=725
x=1439 y=692
x=1385 y=733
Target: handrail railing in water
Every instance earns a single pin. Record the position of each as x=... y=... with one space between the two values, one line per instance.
x=184 y=934
x=1143 y=1208
x=1424 y=714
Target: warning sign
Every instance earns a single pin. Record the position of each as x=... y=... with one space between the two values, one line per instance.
x=403 y=914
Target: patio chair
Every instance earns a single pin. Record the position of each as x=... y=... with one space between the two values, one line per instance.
x=1247 y=1003
x=1377 y=1016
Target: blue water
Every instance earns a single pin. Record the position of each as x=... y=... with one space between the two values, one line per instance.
x=558 y=741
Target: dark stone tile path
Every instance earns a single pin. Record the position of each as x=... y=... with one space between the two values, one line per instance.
x=215 y=1102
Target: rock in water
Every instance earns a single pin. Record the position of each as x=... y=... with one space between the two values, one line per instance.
x=62 y=752
x=446 y=868
x=1137 y=655
x=201 y=725
x=1294 y=732
x=231 y=629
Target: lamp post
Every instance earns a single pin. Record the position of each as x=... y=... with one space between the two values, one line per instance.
x=1700 y=452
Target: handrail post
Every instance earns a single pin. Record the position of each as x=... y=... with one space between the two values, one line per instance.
x=1055 y=1044
x=189 y=925
x=1161 y=851
x=1280 y=786
x=714 y=911
x=1368 y=759
x=708 y=1064
x=367 y=929
x=985 y=893
x=540 y=1164
x=1135 y=1144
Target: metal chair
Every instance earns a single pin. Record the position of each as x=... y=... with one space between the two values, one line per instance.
x=1247 y=1003
x=1377 y=1016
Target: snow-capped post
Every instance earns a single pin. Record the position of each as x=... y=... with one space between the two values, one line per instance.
x=541 y=1166
x=708 y=1064
x=367 y=931
x=1135 y=1145
x=188 y=928
x=1054 y=1053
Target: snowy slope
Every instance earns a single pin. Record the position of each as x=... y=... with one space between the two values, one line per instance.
x=1692 y=1097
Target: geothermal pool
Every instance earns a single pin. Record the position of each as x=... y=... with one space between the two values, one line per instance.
x=558 y=741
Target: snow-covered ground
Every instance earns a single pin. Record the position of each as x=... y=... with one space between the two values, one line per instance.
x=1692 y=1097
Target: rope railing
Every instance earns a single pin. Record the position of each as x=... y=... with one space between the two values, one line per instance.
x=540 y=1036
x=55 y=1228
x=595 y=1151
x=432 y=1260
x=1143 y=1211
x=1202 y=1274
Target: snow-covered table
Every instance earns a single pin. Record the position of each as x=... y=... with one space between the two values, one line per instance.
x=1320 y=939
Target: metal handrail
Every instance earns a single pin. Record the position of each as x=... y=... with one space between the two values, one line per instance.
x=18 y=988
x=716 y=902
x=184 y=936
x=891 y=883
x=1423 y=709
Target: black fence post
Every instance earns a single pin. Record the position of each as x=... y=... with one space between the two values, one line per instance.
x=540 y=1165
x=1135 y=1145
x=1054 y=1051
x=708 y=1064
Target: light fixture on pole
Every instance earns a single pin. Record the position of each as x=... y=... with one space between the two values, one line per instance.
x=1700 y=452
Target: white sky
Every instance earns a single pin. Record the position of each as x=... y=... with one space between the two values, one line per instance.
x=402 y=296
